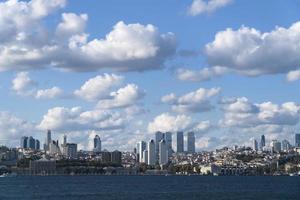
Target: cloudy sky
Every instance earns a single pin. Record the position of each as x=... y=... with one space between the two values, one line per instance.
x=227 y=69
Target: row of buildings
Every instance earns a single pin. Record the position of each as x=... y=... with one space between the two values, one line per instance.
x=160 y=150
x=275 y=145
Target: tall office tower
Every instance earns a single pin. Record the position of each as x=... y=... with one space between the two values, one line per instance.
x=24 y=141
x=262 y=142
x=168 y=139
x=151 y=153
x=31 y=143
x=179 y=142
x=191 y=142
x=97 y=144
x=286 y=145
x=65 y=140
x=158 y=137
x=141 y=148
x=276 y=146
x=48 y=141
x=70 y=150
x=145 y=156
x=163 y=152
x=297 y=140
x=255 y=145
x=37 y=145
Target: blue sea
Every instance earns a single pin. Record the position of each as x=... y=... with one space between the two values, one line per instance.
x=150 y=187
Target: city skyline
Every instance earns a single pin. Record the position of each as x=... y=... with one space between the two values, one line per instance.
x=124 y=70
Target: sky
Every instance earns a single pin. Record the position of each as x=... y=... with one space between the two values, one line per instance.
x=123 y=69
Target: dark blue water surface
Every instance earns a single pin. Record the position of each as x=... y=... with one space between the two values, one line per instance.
x=149 y=187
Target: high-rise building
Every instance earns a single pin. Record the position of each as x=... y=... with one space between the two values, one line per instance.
x=163 y=152
x=70 y=150
x=179 y=142
x=168 y=139
x=31 y=143
x=24 y=141
x=48 y=141
x=297 y=140
x=97 y=144
x=141 y=148
x=262 y=142
x=286 y=145
x=276 y=146
x=151 y=153
x=116 y=157
x=37 y=145
x=191 y=142
x=145 y=156
x=255 y=145
x=158 y=137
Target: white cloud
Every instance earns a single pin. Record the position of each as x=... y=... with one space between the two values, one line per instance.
x=204 y=74
x=209 y=6
x=166 y=122
x=13 y=128
x=193 y=102
x=71 y=25
x=98 y=87
x=75 y=119
x=240 y=112
x=124 y=97
x=293 y=75
x=51 y=93
x=252 y=53
x=26 y=44
x=23 y=85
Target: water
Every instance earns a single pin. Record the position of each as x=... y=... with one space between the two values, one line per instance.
x=150 y=187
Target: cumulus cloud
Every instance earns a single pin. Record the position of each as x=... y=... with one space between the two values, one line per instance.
x=98 y=87
x=251 y=52
x=204 y=74
x=293 y=75
x=51 y=93
x=240 y=112
x=12 y=128
x=124 y=97
x=76 y=119
x=209 y=6
x=193 y=102
x=26 y=44
x=23 y=85
x=71 y=24
x=167 y=122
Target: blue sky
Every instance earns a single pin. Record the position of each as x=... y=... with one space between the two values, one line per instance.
x=255 y=45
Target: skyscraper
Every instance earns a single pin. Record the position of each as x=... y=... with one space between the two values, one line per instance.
x=168 y=139
x=255 y=145
x=141 y=148
x=24 y=141
x=97 y=144
x=262 y=142
x=179 y=142
x=37 y=145
x=276 y=146
x=297 y=140
x=48 y=141
x=158 y=137
x=71 y=150
x=286 y=145
x=191 y=142
x=163 y=152
x=31 y=143
x=151 y=153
